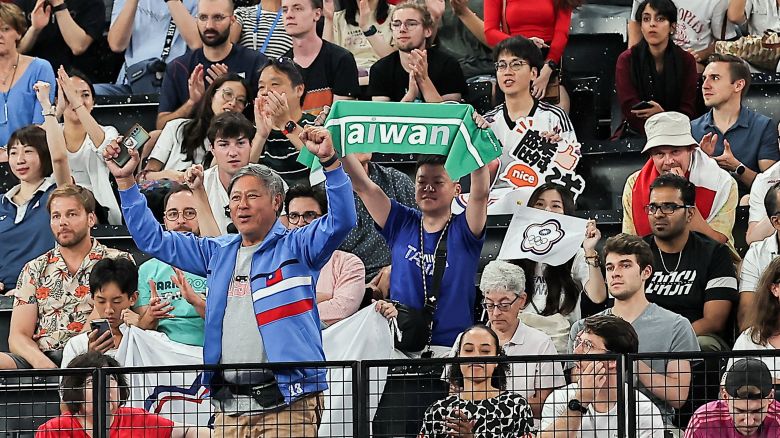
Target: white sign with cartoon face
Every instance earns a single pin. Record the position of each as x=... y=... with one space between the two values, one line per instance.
x=542 y=236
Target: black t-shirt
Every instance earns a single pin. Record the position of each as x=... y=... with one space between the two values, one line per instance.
x=475 y=58
x=242 y=61
x=90 y=15
x=389 y=79
x=333 y=72
x=281 y=155
x=705 y=273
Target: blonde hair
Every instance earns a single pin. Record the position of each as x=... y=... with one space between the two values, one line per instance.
x=13 y=16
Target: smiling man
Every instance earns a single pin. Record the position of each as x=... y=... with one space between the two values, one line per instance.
x=672 y=149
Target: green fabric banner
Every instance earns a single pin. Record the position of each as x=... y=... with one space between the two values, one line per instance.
x=410 y=128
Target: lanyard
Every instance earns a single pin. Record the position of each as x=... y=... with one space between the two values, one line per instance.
x=270 y=31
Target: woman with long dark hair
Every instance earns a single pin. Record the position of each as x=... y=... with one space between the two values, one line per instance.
x=183 y=142
x=655 y=75
x=558 y=289
x=479 y=406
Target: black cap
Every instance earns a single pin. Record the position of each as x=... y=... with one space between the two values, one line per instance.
x=748 y=372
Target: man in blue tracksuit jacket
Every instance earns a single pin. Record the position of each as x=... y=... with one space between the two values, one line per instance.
x=282 y=267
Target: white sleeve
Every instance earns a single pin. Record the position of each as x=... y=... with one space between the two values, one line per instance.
x=110 y=133
x=751 y=271
x=555 y=406
x=579 y=269
x=757 y=192
x=716 y=23
x=166 y=142
x=78 y=344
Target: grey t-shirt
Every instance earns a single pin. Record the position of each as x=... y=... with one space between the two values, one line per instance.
x=659 y=331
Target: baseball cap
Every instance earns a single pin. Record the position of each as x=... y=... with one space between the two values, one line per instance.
x=748 y=372
x=668 y=128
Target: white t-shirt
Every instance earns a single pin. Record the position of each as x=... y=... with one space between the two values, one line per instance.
x=89 y=170
x=603 y=424
x=699 y=22
x=761 y=185
x=758 y=257
x=351 y=37
x=579 y=272
x=526 y=377
x=762 y=15
x=744 y=342
x=167 y=150
x=218 y=198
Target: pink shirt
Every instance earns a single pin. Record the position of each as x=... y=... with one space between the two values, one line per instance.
x=714 y=420
x=340 y=287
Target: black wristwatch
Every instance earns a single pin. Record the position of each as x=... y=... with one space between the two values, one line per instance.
x=553 y=65
x=289 y=127
x=60 y=7
x=371 y=31
x=576 y=406
x=740 y=169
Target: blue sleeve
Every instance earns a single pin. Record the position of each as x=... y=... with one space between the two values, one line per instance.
x=46 y=74
x=116 y=9
x=183 y=250
x=315 y=243
x=170 y=100
x=767 y=149
x=396 y=220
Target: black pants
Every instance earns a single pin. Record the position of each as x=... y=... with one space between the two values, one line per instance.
x=404 y=401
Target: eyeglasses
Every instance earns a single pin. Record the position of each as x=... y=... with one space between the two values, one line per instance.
x=502 y=306
x=229 y=95
x=586 y=346
x=408 y=24
x=219 y=18
x=308 y=217
x=515 y=65
x=667 y=208
x=188 y=213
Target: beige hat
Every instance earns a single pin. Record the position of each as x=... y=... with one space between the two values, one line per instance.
x=668 y=129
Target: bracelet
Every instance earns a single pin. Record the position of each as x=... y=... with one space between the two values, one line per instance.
x=61 y=7
x=596 y=261
x=50 y=112
x=329 y=162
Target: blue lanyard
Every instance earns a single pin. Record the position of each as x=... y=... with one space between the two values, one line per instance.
x=270 y=31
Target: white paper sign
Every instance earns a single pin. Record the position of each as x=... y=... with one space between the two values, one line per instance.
x=542 y=236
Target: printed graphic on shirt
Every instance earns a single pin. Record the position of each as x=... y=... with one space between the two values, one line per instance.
x=315 y=100
x=414 y=256
x=671 y=283
x=239 y=286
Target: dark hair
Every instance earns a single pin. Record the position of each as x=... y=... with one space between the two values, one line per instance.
x=618 y=334
x=351 y=11
x=177 y=188
x=558 y=278
x=304 y=191
x=568 y=4
x=75 y=73
x=73 y=387
x=521 y=47
x=230 y=125
x=628 y=244
x=738 y=68
x=662 y=7
x=194 y=131
x=119 y=271
x=13 y=16
x=35 y=137
x=764 y=322
x=430 y=160
x=84 y=196
x=498 y=379
x=770 y=200
x=289 y=68
x=670 y=180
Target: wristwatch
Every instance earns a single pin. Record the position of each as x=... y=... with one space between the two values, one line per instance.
x=371 y=30
x=553 y=65
x=576 y=406
x=289 y=127
x=60 y=7
x=739 y=170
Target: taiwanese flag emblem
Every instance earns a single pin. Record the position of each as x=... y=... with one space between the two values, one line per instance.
x=274 y=277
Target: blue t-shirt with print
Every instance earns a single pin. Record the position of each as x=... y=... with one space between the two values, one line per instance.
x=455 y=311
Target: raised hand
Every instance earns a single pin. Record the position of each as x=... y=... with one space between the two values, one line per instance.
x=157 y=309
x=364 y=14
x=419 y=64
x=708 y=142
x=41 y=15
x=263 y=120
x=727 y=160
x=215 y=71
x=67 y=88
x=112 y=151
x=42 y=90
x=278 y=109
x=592 y=236
x=318 y=142
x=195 y=85
x=193 y=177
x=101 y=343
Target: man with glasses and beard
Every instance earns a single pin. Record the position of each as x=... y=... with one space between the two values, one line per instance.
x=187 y=76
x=693 y=275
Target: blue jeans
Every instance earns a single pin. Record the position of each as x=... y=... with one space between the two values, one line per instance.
x=113 y=90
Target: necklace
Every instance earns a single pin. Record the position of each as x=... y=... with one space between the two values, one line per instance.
x=679 y=258
x=6 y=93
x=13 y=71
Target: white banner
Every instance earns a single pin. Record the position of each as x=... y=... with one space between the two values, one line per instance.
x=542 y=236
x=180 y=397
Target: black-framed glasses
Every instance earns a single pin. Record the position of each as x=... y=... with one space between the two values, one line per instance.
x=408 y=24
x=667 y=208
x=502 y=306
x=188 y=213
x=585 y=346
x=308 y=217
x=515 y=65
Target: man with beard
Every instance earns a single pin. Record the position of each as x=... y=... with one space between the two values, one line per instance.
x=692 y=274
x=163 y=304
x=188 y=75
x=52 y=300
x=416 y=72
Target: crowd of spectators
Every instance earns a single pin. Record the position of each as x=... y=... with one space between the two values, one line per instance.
x=244 y=239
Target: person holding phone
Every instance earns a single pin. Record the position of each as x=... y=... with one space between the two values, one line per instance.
x=655 y=75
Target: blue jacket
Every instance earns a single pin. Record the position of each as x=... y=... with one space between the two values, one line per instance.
x=283 y=277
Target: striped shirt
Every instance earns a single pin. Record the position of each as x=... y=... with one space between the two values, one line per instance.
x=254 y=32
x=714 y=420
x=281 y=155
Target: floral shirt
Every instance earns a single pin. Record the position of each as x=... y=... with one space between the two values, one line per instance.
x=63 y=300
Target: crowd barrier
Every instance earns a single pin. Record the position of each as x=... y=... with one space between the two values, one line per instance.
x=386 y=398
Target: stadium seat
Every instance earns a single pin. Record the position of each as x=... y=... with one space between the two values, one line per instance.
x=605 y=167
x=762 y=95
x=123 y=112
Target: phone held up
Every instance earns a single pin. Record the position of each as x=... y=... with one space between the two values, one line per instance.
x=135 y=138
x=101 y=325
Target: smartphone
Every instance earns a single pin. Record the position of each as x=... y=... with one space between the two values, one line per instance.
x=101 y=325
x=135 y=138
x=642 y=105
